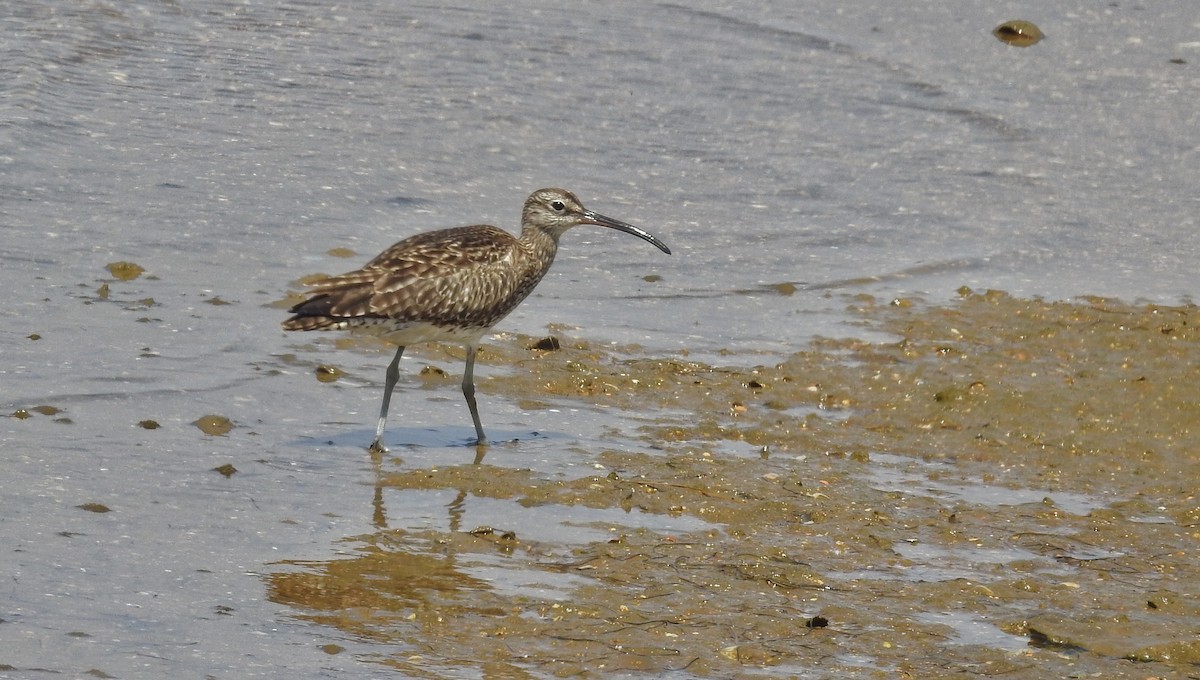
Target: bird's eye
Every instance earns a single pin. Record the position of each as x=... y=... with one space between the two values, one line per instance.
x=557 y=206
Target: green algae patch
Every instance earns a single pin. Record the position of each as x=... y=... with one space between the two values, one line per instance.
x=214 y=425
x=125 y=271
x=1003 y=487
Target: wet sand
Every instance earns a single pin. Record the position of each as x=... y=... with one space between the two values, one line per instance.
x=942 y=499
x=1004 y=487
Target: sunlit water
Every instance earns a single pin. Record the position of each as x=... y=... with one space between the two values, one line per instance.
x=788 y=155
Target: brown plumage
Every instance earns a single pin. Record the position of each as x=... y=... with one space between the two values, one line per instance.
x=449 y=285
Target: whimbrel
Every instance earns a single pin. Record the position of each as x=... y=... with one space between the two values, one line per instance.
x=450 y=285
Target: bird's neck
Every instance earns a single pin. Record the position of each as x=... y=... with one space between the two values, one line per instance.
x=539 y=248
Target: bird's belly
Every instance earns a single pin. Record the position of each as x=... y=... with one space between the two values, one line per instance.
x=414 y=332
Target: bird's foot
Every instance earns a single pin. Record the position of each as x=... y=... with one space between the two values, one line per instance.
x=481 y=449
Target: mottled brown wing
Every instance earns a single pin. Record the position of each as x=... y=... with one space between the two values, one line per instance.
x=438 y=277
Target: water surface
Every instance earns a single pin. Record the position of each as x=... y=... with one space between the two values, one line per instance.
x=793 y=158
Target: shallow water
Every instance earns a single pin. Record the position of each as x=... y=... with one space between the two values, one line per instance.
x=805 y=164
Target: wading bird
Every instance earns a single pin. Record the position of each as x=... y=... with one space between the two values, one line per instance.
x=450 y=285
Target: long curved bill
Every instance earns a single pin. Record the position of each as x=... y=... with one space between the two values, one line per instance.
x=599 y=220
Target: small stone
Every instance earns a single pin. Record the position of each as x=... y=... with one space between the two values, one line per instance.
x=327 y=374
x=1018 y=33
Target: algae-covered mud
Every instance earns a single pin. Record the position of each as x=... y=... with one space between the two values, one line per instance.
x=1003 y=488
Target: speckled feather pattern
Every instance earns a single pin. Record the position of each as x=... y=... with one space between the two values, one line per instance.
x=451 y=284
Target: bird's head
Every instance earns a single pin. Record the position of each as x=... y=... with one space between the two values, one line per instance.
x=554 y=211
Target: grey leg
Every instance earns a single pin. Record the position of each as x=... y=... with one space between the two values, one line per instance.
x=468 y=388
x=392 y=375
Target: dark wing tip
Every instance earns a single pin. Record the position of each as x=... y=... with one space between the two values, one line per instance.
x=309 y=323
x=312 y=314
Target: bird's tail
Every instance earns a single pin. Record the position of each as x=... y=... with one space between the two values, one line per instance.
x=313 y=323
